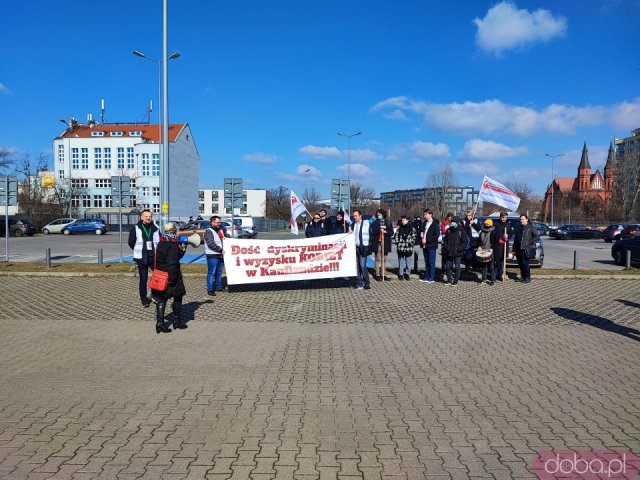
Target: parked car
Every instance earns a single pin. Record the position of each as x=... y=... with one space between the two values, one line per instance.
x=57 y=225
x=179 y=224
x=567 y=232
x=197 y=226
x=612 y=232
x=17 y=226
x=514 y=222
x=620 y=248
x=541 y=228
x=630 y=231
x=86 y=225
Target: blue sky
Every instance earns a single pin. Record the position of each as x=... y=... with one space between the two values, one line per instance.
x=488 y=87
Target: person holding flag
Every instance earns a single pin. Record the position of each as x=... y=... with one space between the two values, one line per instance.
x=297 y=209
x=500 y=243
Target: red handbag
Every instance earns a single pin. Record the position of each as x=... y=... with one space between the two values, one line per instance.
x=159 y=279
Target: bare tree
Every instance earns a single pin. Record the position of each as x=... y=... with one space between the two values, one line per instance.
x=439 y=182
x=6 y=158
x=311 y=199
x=625 y=204
x=278 y=203
x=362 y=198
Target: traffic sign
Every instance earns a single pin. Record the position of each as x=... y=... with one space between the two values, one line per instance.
x=8 y=191
x=340 y=194
x=121 y=191
x=233 y=193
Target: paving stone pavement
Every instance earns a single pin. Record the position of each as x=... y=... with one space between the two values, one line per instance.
x=314 y=380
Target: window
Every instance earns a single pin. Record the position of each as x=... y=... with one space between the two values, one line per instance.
x=60 y=153
x=80 y=183
x=86 y=201
x=97 y=134
x=60 y=173
x=145 y=191
x=107 y=158
x=120 y=158
x=156 y=208
x=130 y=163
x=97 y=201
x=97 y=157
x=145 y=165
x=132 y=182
x=156 y=191
x=135 y=133
x=103 y=183
x=116 y=134
x=243 y=210
x=108 y=202
x=214 y=195
x=75 y=159
x=75 y=201
x=201 y=195
x=215 y=207
x=155 y=167
x=201 y=208
x=84 y=155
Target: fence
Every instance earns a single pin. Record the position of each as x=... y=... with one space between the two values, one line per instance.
x=269 y=224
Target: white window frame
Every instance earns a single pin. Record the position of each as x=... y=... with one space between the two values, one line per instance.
x=60 y=153
x=107 y=158
x=155 y=165
x=131 y=163
x=97 y=158
x=116 y=134
x=75 y=158
x=120 y=157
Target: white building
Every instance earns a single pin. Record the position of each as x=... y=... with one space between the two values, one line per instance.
x=254 y=203
x=87 y=156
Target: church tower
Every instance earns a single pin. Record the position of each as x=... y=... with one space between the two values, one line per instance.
x=609 y=169
x=584 y=170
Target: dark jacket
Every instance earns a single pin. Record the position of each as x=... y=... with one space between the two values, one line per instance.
x=405 y=238
x=327 y=225
x=498 y=244
x=375 y=235
x=487 y=238
x=147 y=256
x=526 y=238
x=417 y=226
x=454 y=243
x=168 y=255
x=315 y=229
x=431 y=236
x=338 y=227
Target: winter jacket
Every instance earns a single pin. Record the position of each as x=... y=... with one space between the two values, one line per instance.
x=526 y=238
x=168 y=255
x=487 y=237
x=417 y=226
x=431 y=235
x=338 y=227
x=445 y=226
x=405 y=238
x=375 y=235
x=454 y=242
x=138 y=239
x=315 y=229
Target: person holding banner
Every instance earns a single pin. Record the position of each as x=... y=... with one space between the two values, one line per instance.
x=214 y=250
x=362 y=233
x=341 y=225
x=500 y=244
x=524 y=247
x=381 y=234
x=316 y=227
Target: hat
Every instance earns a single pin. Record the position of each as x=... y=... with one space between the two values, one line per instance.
x=169 y=227
x=488 y=222
x=456 y=219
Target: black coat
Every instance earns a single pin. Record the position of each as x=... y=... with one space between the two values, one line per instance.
x=168 y=255
x=315 y=229
x=526 y=237
x=454 y=243
x=431 y=235
x=374 y=238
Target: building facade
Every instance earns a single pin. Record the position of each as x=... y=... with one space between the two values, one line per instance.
x=585 y=187
x=211 y=202
x=87 y=156
x=454 y=199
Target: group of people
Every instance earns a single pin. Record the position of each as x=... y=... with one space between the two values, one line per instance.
x=162 y=252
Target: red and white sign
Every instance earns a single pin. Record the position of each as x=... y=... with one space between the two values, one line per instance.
x=496 y=193
x=263 y=261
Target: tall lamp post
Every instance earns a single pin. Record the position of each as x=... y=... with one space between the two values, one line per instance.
x=553 y=178
x=349 y=152
x=163 y=193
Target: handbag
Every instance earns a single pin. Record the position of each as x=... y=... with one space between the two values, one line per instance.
x=159 y=279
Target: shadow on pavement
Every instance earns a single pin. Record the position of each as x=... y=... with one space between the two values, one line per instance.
x=628 y=303
x=598 y=322
x=189 y=310
x=299 y=285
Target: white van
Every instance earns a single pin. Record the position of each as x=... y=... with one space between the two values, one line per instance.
x=246 y=224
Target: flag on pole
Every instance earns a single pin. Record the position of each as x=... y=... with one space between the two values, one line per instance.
x=496 y=193
x=297 y=209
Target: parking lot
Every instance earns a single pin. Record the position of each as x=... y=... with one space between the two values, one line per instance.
x=594 y=254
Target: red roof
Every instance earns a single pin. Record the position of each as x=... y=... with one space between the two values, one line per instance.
x=149 y=132
x=565 y=184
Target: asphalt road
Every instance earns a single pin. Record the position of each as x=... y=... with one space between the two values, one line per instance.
x=594 y=254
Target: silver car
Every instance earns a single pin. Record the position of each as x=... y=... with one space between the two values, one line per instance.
x=57 y=225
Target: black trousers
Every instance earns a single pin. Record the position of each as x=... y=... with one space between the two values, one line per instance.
x=523 y=263
x=143 y=271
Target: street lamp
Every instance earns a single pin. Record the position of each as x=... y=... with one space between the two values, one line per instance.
x=163 y=193
x=349 y=152
x=553 y=180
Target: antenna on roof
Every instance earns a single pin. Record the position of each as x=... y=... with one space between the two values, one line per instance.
x=147 y=115
x=102 y=111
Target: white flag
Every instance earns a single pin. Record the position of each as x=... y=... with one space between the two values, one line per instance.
x=496 y=193
x=297 y=209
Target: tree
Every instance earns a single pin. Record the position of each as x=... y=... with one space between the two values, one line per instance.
x=278 y=204
x=6 y=158
x=362 y=198
x=439 y=182
x=529 y=202
x=311 y=199
x=625 y=204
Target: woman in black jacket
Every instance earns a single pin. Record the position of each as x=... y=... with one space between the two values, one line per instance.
x=524 y=247
x=168 y=254
x=454 y=244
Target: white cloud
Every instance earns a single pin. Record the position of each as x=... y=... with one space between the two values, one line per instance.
x=430 y=150
x=494 y=116
x=304 y=174
x=477 y=149
x=395 y=115
x=626 y=115
x=597 y=157
x=4 y=89
x=308 y=170
x=362 y=155
x=357 y=170
x=259 y=157
x=505 y=27
x=320 y=152
x=475 y=168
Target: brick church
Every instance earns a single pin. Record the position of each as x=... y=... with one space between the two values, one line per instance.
x=585 y=186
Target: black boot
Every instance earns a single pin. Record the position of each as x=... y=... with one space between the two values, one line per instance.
x=160 y=325
x=177 y=317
